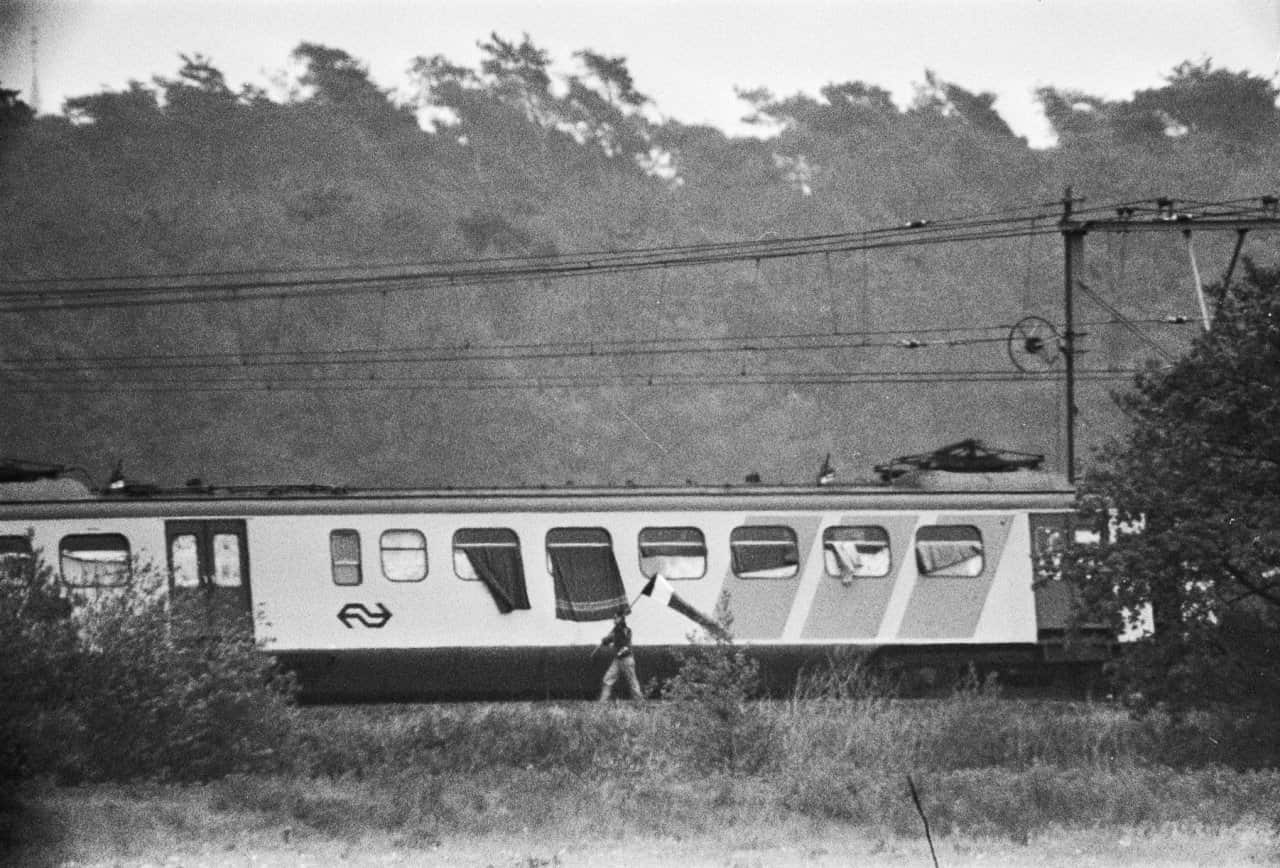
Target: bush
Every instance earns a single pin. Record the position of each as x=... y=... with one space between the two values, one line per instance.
x=716 y=722
x=127 y=686
x=39 y=650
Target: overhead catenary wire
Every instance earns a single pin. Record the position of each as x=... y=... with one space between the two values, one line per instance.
x=523 y=382
x=922 y=338
x=54 y=295
x=918 y=229
x=1124 y=321
x=913 y=227
x=72 y=293
x=81 y=298
x=912 y=232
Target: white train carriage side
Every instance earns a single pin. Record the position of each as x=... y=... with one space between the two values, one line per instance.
x=414 y=594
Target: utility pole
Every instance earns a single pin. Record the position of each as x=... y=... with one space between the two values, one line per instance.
x=35 y=70
x=1072 y=259
x=1164 y=217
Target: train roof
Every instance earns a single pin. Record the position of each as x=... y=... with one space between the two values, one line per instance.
x=1020 y=488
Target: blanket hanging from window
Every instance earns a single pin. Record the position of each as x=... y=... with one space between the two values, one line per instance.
x=495 y=559
x=587 y=582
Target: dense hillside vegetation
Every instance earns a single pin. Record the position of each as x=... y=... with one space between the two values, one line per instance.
x=525 y=157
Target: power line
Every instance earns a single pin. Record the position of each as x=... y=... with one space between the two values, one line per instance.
x=477 y=273
x=404 y=357
x=66 y=294
x=913 y=227
x=913 y=339
x=565 y=381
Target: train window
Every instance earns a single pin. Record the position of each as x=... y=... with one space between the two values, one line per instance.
x=17 y=561
x=90 y=560
x=492 y=555
x=226 y=561
x=764 y=552
x=344 y=554
x=473 y=546
x=404 y=555
x=949 y=550
x=675 y=552
x=185 y=561
x=856 y=552
x=587 y=582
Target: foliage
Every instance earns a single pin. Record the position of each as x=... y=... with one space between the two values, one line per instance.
x=847 y=674
x=514 y=156
x=38 y=649
x=718 y=725
x=13 y=111
x=131 y=686
x=952 y=101
x=1187 y=506
x=984 y=764
x=1196 y=100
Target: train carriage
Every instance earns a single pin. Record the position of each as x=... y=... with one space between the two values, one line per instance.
x=486 y=592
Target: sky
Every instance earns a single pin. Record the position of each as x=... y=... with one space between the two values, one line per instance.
x=687 y=55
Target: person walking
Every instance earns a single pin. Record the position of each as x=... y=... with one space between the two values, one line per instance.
x=623 y=663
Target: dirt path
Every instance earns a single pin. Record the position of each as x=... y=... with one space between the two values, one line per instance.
x=1108 y=847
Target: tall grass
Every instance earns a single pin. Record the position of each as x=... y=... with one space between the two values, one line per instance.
x=836 y=751
x=141 y=691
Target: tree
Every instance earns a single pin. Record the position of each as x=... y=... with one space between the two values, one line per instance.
x=950 y=100
x=848 y=108
x=13 y=111
x=1188 y=505
x=613 y=76
x=135 y=108
x=612 y=119
x=519 y=75
x=200 y=91
x=340 y=82
x=1196 y=100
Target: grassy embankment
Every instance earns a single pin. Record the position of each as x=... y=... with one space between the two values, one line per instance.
x=140 y=729
x=740 y=775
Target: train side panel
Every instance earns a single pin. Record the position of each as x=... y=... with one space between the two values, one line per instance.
x=364 y=598
x=299 y=605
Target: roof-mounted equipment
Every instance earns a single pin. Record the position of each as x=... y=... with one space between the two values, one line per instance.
x=967 y=456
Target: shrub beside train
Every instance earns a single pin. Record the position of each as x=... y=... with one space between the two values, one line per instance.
x=396 y=594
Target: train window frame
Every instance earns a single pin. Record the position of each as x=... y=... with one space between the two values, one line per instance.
x=741 y=537
x=346 y=563
x=951 y=569
x=504 y=576
x=674 y=576
x=831 y=557
x=17 y=559
x=99 y=543
x=560 y=537
x=184 y=572
x=233 y=578
x=587 y=588
x=420 y=571
x=503 y=537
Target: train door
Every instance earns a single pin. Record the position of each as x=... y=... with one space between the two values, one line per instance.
x=209 y=559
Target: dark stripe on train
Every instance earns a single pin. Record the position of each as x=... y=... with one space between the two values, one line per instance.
x=564 y=672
